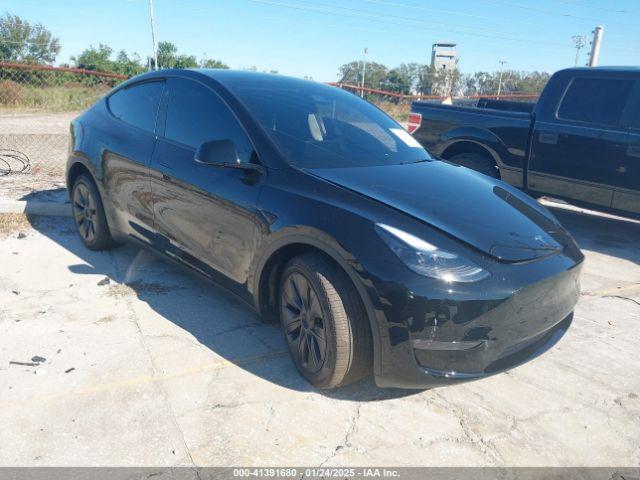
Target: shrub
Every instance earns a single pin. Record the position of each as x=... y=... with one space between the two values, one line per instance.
x=10 y=92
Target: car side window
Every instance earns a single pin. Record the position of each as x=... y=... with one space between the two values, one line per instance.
x=599 y=101
x=196 y=114
x=137 y=104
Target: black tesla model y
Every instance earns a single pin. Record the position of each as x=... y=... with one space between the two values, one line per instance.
x=324 y=214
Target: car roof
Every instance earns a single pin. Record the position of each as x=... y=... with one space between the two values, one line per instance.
x=222 y=76
x=599 y=71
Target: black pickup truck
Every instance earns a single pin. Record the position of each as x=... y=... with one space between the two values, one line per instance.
x=580 y=142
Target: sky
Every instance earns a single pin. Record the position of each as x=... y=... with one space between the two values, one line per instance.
x=314 y=37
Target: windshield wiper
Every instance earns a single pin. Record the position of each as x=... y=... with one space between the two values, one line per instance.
x=416 y=161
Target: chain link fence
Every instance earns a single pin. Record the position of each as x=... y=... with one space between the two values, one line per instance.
x=37 y=103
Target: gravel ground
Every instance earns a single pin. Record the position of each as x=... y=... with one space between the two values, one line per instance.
x=43 y=138
x=119 y=358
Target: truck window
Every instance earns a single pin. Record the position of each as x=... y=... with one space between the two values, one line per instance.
x=595 y=100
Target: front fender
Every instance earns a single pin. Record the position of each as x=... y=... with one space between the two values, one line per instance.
x=313 y=237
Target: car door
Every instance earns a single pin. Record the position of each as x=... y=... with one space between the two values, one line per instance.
x=576 y=154
x=206 y=215
x=127 y=149
x=626 y=196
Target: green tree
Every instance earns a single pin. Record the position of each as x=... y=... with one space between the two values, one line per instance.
x=100 y=59
x=95 y=58
x=212 y=63
x=24 y=42
x=426 y=80
x=375 y=74
x=168 y=57
x=397 y=82
x=411 y=71
x=128 y=65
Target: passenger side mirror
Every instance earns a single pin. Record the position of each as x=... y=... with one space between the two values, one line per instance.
x=220 y=153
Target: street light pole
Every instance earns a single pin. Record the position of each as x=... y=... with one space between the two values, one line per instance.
x=594 y=58
x=153 y=36
x=364 y=71
x=502 y=63
x=579 y=42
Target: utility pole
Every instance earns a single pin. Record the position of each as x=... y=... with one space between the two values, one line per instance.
x=153 y=36
x=364 y=70
x=502 y=63
x=579 y=41
x=594 y=57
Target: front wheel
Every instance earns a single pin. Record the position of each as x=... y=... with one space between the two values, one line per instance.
x=89 y=215
x=324 y=322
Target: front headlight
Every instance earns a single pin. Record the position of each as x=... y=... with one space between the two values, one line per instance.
x=427 y=259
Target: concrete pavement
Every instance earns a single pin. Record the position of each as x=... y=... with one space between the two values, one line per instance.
x=119 y=358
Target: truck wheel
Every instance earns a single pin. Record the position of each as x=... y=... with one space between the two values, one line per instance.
x=324 y=323
x=478 y=162
x=89 y=216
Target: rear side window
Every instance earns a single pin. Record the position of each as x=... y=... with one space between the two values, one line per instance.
x=138 y=104
x=196 y=114
x=595 y=100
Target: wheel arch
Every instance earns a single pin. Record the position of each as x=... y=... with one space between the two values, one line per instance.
x=265 y=275
x=468 y=146
x=76 y=168
x=473 y=140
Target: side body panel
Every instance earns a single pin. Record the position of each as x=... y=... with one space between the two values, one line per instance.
x=577 y=160
x=205 y=215
x=503 y=135
x=118 y=156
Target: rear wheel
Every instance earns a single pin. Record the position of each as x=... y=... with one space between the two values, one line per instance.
x=89 y=216
x=478 y=162
x=324 y=323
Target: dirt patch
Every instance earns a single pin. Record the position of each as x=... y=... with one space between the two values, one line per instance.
x=120 y=290
x=11 y=223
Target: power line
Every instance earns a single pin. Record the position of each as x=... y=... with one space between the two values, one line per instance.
x=385 y=19
x=448 y=12
x=27 y=42
x=595 y=7
x=539 y=10
x=325 y=9
x=398 y=17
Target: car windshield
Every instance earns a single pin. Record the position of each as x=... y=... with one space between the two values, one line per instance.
x=318 y=126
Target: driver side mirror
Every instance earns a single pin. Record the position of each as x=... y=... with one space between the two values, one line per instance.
x=222 y=153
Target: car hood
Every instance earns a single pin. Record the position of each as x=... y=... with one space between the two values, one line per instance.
x=487 y=214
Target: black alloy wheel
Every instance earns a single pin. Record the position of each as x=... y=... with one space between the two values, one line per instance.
x=84 y=212
x=324 y=322
x=303 y=322
x=89 y=215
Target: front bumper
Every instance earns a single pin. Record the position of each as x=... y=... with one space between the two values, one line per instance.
x=435 y=334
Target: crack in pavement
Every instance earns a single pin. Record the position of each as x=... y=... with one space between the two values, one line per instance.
x=346 y=442
x=161 y=389
x=621 y=297
x=476 y=438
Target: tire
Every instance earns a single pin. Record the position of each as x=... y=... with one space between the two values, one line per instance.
x=478 y=162
x=318 y=302
x=89 y=216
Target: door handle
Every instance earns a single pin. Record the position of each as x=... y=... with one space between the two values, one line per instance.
x=621 y=170
x=548 y=138
x=633 y=150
